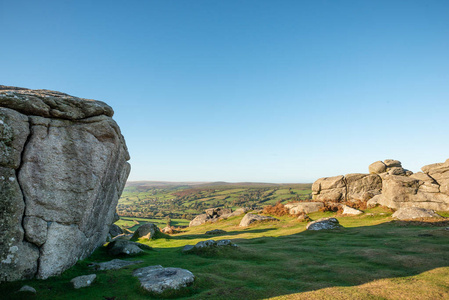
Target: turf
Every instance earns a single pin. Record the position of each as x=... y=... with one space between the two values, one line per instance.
x=372 y=257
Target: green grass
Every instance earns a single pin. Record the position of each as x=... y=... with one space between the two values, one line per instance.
x=371 y=255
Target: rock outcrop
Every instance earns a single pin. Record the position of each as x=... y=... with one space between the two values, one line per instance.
x=63 y=166
x=324 y=224
x=213 y=215
x=390 y=185
x=250 y=218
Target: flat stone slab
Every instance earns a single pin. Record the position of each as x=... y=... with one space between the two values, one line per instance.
x=114 y=264
x=324 y=224
x=407 y=213
x=208 y=244
x=157 y=279
x=83 y=281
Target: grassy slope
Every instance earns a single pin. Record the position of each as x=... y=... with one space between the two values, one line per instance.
x=372 y=258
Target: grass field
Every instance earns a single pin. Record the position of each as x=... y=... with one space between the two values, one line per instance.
x=372 y=257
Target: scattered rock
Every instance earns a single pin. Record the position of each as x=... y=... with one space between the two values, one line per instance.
x=208 y=244
x=146 y=231
x=27 y=288
x=215 y=231
x=157 y=279
x=303 y=218
x=303 y=207
x=114 y=264
x=214 y=214
x=324 y=224
x=63 y=166
x=351 y=211
x=83 y=281
x=115 y=230
x=199 y=220
x=118 y=247
x=408 y=213
x=217 y=212
x=169 y=230
x=250 y=218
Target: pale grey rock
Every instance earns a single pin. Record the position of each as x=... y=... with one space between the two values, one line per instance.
x=373 y=201
x=188 y=248
x=62 y=169
x=250 y=218
x=407 y=213
x=377 y=167
x=362 y=186
x=114 y=264
x=304 y=207
x=199 y=220
x=237 y=212
x=331 y=195
x=351 y=211
x=146 y=231
x=35 y=230
x=324 y=224
x=156 y=279
x=83 y=281
x=27 y=288
x=124 y=247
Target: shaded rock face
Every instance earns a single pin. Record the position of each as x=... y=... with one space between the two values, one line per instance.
x=63 y=166
x=146 y=231
x=324 y=224
x=390 y=185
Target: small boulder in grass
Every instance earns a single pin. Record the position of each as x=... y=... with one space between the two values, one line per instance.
x=324 y=224
x=215 y=231
x=28 y=289
x=156 y=279
x=407 y=213
x=83 y=281
x=351 y=211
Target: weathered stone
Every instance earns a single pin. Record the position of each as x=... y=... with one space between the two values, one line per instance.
x=115 y=230
x=303 y=207
x=396 y=171
x=209 y=244
x=114 y=264
x=62 y=169
x=125 y=247
x=146 y=231
x=250 y=218
x=27 y=288
x=199 y=220
x=35 y=230
x=83 y=281
x=303 y=217
x=332 y=195
x=377 y=167
x=407 y=213
x=391 y=163
x=351 y=211
x=157 y=279
x=217 y=212
x=362 y=186
x=373 y=201
x=324 y=224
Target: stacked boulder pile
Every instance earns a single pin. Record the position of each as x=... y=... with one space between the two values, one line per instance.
x=389 y=184
x=63 y=167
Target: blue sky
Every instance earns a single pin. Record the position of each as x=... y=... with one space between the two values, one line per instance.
x=247 y=90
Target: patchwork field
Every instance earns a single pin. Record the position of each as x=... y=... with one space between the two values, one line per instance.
x=372 y=257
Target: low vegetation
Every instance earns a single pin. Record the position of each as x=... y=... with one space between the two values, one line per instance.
x=372 y=257
x=156 y=200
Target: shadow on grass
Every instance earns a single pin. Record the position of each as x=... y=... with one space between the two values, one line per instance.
x=209 y=236
x=264 y=267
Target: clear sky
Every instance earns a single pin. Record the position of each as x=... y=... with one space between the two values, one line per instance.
x=246 y=90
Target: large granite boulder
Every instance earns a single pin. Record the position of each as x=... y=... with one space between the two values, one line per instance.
x=63 y=166
x=408 y=213
x=304 y=207
x=324 y=224
x=212 y=215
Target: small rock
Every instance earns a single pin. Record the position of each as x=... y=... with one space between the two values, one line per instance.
x=407 y=213
x=126 y=247
x=351 y=211
x=215 y=231
x=114 y=264
x=187 y=248
x=27 y=288
x=115 y=230
x=208 y=244
x=83 y=281
x=250 y=218
x=324 y=224
x=147 y=231
x=157 y=279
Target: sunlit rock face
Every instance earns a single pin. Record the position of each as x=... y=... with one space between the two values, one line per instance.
x=63 y=167
x=390 y=185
